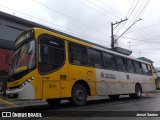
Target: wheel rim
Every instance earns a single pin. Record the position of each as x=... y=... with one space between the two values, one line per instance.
x=138 y=91
x=79 y=95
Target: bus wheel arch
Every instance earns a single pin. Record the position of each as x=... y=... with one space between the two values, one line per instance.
x=85 y=84
x=79 y=93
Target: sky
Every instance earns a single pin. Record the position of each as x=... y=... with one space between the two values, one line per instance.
x=91 y=20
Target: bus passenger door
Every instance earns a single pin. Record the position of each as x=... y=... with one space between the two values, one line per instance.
x=52 y=65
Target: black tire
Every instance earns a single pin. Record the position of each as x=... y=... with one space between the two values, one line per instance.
x=53 y=102
x=114 y=97
x=79 y=95
x=138 y=92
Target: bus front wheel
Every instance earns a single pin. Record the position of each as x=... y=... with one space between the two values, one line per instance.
x=79 y=95
x=53 y=102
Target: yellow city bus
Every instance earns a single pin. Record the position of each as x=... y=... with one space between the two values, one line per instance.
x=55 y=66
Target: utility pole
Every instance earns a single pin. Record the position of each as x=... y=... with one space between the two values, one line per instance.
x=112 y=34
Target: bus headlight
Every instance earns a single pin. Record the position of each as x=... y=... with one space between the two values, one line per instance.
x=27 y=81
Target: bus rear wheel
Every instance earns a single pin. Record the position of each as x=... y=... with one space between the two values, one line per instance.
x=53 y=102
x=138 y=92
x=79 y=95
x=114 y=97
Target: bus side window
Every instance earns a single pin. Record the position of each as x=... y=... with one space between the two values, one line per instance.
x=138 y=67
x=120 y=63
x=109 y=61
x=52 y=54
x=95 y=58
x=77 y=54
x=145 y=69
x=130 y=66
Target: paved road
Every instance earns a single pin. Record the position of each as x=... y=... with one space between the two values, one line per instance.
x=97 y=108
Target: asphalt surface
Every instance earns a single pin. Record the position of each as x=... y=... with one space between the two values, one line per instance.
x=96 y=108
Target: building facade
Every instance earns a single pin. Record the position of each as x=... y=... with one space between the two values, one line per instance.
x=10 y=27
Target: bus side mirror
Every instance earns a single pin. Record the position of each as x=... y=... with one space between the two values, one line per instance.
x=7 y=59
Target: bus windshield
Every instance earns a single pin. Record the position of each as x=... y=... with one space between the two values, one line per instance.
x=23 y=58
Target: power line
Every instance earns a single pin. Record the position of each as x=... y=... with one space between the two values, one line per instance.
x=102 y=9
x=145 y=27
x=147 y=52
x=94 y=5
x=138 y=10
x=130 y=7
x=110 y=7
x=145 y=49
x=52 y=24
x=142 y=39
x=141 y=44
x=98 y=0
x=128 y=29
x=32 y=16
x=145 y=42
x=69 y=17
x=141 y=11
x=128 y=16
x=91 y=8
x=141 y=34
x=133 y=9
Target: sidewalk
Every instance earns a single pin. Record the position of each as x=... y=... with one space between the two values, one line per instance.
x=20 y=103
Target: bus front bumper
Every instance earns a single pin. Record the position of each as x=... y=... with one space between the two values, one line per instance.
x=27 y=92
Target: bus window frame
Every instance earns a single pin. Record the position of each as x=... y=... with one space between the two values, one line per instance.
x=145 y=73
x=103 y=60
x=109 y=61
x=69 y=54
x=141 y=73
x=133 y=72
x=38 y=45
x=100 y=67
x=124 y=64
x=149 y=70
